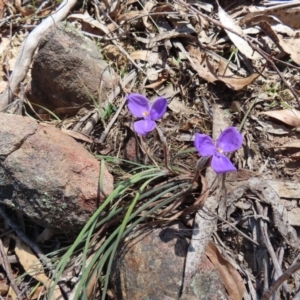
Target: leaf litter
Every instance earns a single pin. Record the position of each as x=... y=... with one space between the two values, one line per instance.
x=196 y=55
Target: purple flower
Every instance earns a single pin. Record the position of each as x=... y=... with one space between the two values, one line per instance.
x=229 y=140
x=140 y=107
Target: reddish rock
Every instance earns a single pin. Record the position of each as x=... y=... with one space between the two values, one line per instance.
x=47 y=175
x=151 y=264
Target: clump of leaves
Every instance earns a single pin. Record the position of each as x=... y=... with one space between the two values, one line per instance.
x=98 y=248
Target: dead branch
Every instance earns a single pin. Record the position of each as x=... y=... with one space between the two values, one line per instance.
x=6 y=266
x=29 y=46
x=205 y=223
x=26 y=239
x=286 y=274
x=267 y=243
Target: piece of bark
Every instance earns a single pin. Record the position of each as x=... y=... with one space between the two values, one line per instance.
x=205 y=223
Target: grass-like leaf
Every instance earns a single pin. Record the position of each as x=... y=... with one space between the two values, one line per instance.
x=87 y=231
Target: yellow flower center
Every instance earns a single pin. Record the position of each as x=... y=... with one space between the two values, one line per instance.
x=220 y=150
x=146 y=113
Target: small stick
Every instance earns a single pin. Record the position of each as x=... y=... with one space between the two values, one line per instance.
x=202 y=163
x=235 y=228
x=26 y=239
x=28 y=48
x=7 y=268
x=276 y=284
x=165 y=149
x=267 y=243
x=112 y=121
x=130 y=78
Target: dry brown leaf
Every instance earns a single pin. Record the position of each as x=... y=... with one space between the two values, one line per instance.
x=4 y=287
x=30 y=262
x=24 y=10
x=288 y=16
x=70 y=111
x=294 y=216
x=160 y=79
x=184 y=137
x=129 y=2
x=5 y=41
x=114 y=54
x=178 y=107
x=264 y=18
x=167 y=8
x=238 y=41
x=157 y=84
x=3 y=85
x=33 y=266
x=205 y=6
x=266 y=27
x=86 y=18
x=168 y=92
x=292 y=47
x=231 y=277
x=287 y=116
x=165 y=36
x=114 y=7
x=292 y=144
x=206 y=69
x=285 y=189
x=11 y=294
x=152 y=74
x=270 y=127
x=295 y=156
x=232 y=81
x=38 y=293
x=149 y=56
x=7 y=59
x=1 y=9
x=131 y=15
x=279 y=28
x=147 y=7
x=284 y=29
x=77 y=135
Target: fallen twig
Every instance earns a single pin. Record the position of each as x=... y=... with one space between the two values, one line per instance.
x=286 y=274
x=164 y=144
x=7 y=268
x=267 y=243
x=235 y=228
x=46 y=262
x=29 y=46
x=130 y=77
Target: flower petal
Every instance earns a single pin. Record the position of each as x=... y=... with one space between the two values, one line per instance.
x=221 y=164
x=204 y=144
x=230 y=140
x=138 y=105
x=158 y=108
x=142 y=127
